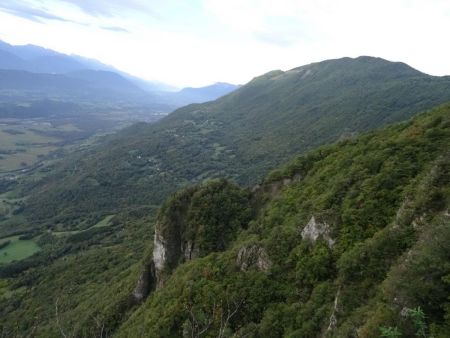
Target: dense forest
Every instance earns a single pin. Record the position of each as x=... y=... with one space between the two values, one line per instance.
x=348 y=240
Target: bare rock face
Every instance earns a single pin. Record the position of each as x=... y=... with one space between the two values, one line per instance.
x=333 y=320
x=159 y=258
x=253 y=257
x=159 y=251
x=145 y=284
x=167 y=254
x=190 y=251
x=153 y=274
x=314 y=229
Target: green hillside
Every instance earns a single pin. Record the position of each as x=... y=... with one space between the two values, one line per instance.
x=378 y=205
x=349 y=239
x=240 y=136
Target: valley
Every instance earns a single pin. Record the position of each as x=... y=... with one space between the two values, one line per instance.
x=26 y=142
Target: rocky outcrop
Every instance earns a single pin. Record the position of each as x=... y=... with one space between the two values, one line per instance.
x=190 y=250
x=253 y=257
x=154 y=273
x=146 y=283
x=333 y=319
x=314 y=229
x=167 y=254
x=159 y=251
x=159 y=257
x=193 y=223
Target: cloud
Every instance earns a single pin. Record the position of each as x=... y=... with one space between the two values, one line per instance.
x=115 y=29
x=28 y=11
x=283 y=31
x=274 y=39
x=110 y=8
x=41 y=10
x=244 y=37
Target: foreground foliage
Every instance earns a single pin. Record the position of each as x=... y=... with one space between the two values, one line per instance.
x=384 y=197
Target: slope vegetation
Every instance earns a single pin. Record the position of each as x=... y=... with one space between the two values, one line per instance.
x=348 y=240
x=240 y=136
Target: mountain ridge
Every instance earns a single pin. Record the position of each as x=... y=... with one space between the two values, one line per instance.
x=245 y=133
x=37 y=59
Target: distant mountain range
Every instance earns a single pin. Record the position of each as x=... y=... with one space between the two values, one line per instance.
x=41 y=60
x=198 y=95
x=47 y=73
x=92 y=85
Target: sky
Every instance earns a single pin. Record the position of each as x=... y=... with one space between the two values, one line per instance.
x=198 y=42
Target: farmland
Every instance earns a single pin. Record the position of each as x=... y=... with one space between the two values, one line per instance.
x=24 y=143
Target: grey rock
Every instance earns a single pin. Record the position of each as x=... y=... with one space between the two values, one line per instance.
x=253 y=257
x=314 y=229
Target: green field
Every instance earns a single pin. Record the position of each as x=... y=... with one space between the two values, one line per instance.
x=17 y=249
x=104 y=222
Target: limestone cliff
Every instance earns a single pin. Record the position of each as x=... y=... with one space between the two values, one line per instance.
x=193 y=223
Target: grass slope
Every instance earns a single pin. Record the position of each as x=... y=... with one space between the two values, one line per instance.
x=17 y=249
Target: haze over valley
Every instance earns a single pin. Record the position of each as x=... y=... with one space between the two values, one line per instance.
x=49 y=100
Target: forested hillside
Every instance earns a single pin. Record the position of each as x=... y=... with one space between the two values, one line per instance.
x=349 y=240
x=240 y=136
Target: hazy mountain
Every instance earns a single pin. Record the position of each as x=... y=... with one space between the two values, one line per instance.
x=95 y=86
x=18 y=80
x=41 y=60
x=105 y=79
x=36 y=59
x=27 y=52
x=53 y=64
x=10 y=61
x=151 y=86
x=202 y=94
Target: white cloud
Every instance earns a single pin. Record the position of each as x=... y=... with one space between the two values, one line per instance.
x=199 y=42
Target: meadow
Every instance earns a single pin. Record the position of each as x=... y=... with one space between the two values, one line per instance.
x=17 y=249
